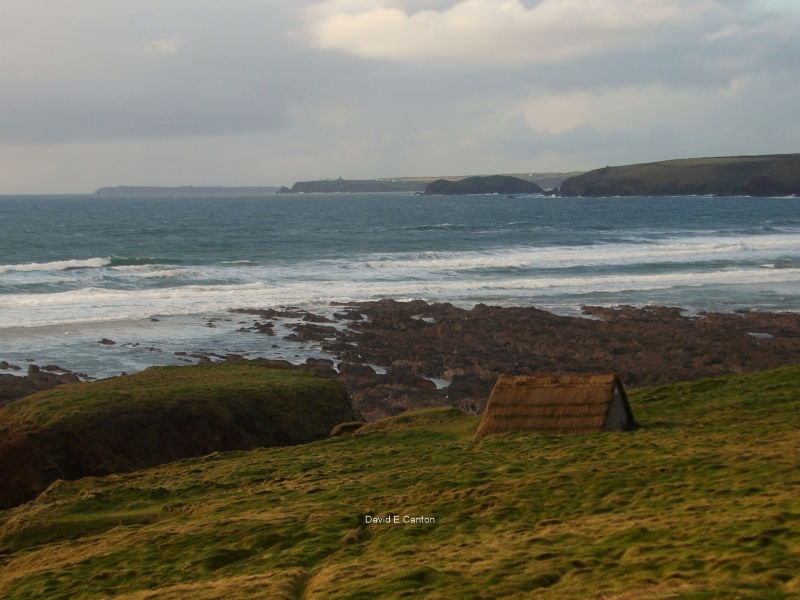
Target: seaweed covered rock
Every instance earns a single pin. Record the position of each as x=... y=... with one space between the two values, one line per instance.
x=157 y=416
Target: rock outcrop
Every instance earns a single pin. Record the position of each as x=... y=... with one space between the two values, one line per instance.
x=13 y=387
x=492 y=184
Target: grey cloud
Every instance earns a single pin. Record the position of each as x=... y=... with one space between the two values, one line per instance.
x=241 y=97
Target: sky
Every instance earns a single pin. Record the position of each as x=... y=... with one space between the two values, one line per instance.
x=267 y=92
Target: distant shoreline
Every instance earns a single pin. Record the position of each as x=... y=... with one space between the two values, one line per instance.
x=185 y=190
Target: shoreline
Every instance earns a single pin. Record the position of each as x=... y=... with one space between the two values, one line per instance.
x=393 y=355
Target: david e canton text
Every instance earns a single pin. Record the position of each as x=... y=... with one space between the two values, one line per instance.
x=398 y=520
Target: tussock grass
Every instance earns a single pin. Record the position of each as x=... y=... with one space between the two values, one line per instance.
x=701 y=502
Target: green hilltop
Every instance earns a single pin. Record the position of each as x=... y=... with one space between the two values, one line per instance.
x=701 y=502
x=767 y=175
x=159 y=415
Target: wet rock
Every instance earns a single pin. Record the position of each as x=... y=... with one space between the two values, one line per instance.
x=312 y=318
x=647 y=346
x=351 y=315
x=257 y=327
x=13 y=387
x=107 y=342
x=320 y=366
x=311 y=333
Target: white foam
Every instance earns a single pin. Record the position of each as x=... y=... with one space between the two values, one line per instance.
x=700 y=248
x=58 y=265
x=98 y=304
x=152 y=271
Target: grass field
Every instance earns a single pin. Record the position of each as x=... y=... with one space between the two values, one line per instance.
x=701 y=502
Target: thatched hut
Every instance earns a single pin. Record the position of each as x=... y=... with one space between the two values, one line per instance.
x=557 y=404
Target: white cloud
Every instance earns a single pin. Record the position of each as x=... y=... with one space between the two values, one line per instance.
x=505 y=32
x=164 y=46
x=622 y=108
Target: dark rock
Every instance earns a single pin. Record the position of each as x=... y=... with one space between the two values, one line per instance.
x=311 y=333
x=312 y=318
x=107 y=342
x=356 y=371
x=320 y=366
x=13 y=387
x=351 y=315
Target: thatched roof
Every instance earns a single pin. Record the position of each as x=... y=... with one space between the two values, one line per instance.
x=555 y=404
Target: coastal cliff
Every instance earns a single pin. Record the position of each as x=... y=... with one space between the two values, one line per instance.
x=352 y=186
x=768 y=175
x=492 y=184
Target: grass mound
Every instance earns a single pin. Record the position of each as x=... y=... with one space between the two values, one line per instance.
x=701 y=502
x=159 y=415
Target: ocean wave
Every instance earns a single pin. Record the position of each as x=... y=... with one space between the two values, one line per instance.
x=435 y=226
x=93 y=304
x=83 y=263
x=130 y=261
x=58 y=265
x=695 y=249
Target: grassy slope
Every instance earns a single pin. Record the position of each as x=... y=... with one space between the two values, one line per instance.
x=248 y=389
x=157 y=416
x=691 y=175
x=702 y=502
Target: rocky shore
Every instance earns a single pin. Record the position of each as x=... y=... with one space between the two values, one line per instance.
x=393 y=356
x=465 y=350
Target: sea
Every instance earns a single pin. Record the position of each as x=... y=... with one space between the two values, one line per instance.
x=159 y=275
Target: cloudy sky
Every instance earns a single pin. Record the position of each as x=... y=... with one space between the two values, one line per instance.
x=266 y=92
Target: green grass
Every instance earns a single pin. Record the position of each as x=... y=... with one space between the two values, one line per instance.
x=160 y=415
x=217 y=388
x=701 y=502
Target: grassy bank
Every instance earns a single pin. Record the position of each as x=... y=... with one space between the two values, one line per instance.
x=703 y=501
x=159 y=415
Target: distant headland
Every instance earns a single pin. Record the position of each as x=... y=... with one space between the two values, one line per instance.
x=353 y=186
x=762 y=175
x=766 y=175
x=548 y=180
x=493 y=184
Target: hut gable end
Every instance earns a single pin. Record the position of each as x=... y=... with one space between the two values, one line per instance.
x=556 y=404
